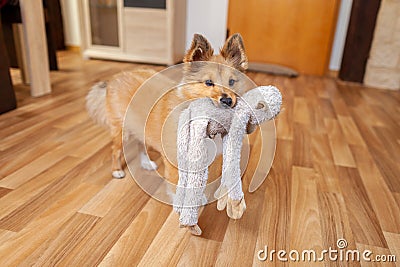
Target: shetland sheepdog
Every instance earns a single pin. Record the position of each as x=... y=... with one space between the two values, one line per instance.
x=107 y=102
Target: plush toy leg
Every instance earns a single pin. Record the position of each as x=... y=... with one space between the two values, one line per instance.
x=222 y=195
x=193 y=229
x=235 y=205
x=193 y=172
x=230 y=193
x=235 y=208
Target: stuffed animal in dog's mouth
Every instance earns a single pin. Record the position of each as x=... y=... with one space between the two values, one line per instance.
x=198 y=122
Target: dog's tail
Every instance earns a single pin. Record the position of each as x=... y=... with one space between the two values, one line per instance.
x=96 y=103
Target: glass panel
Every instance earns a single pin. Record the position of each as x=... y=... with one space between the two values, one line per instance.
x=104 y=22
x=161 y=4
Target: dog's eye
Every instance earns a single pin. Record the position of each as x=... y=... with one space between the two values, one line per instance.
x=231 y=82
x=209 y=83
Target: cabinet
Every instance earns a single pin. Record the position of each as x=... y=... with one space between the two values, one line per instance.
x=150 y=31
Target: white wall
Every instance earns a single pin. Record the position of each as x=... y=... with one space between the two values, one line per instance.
x=207 y=17
x=340 y=34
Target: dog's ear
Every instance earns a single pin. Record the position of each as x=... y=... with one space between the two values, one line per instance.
x=234 y=53
x=200 y=49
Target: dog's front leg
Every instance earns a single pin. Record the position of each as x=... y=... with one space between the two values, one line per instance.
x=117 y=171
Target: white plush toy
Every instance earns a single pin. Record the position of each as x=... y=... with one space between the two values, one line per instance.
x=202 y=120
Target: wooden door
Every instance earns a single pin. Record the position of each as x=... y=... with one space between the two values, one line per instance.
x=293 y=33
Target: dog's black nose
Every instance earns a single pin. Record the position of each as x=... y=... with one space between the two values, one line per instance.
x=226 y=101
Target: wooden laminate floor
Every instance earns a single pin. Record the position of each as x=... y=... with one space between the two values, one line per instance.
x=336 y=175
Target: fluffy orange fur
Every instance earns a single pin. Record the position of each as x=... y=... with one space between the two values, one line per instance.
x=124 y=85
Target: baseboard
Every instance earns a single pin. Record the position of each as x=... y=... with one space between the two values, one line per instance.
x=333 y=73
x=73 y=48
x=273 y=69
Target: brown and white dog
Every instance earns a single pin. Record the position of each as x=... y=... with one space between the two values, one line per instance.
x=108 y=102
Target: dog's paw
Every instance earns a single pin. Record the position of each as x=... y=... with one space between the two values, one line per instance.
x=235 y=208
x=147 y=163
x=193 y=229
x=118 y=174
